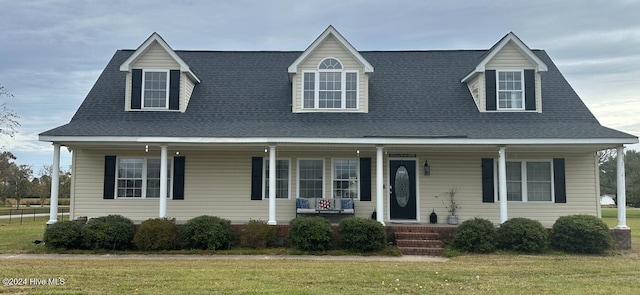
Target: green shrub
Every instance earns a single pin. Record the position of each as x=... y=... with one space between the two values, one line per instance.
x=207 y=232
x=157 y=234
x=580 y=234
x=113 y=232
x=257 y=234
x=360 y=234
x=64 y=235
x=475 y=235
x=311 y=233
x=522 y=235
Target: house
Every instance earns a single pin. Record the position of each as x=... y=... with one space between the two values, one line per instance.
x=607 y=200
x=244 y=134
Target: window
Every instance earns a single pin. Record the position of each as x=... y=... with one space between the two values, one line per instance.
x=140 y=178
x=310 y=178
x=330 y=87
x=510 y=90
x=529 y=181
x=282 y=179
x=155 y=89
x=345 y=178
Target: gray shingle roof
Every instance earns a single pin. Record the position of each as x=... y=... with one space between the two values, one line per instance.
x=411 y=93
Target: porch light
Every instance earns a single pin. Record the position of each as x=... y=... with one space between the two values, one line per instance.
x=358 y=153
x=177 y=153
x=146 y=148
x=427 y=168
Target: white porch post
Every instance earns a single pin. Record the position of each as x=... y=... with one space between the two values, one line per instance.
x=502 y=184
x=379 y=186
x=55 y=183
x=622 y=197
x=272 y=185
x=163 y=181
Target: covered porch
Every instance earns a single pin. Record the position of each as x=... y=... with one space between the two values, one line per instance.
x=432 y=166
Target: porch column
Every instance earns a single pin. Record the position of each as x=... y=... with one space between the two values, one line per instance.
x=379 y=186
x=622 y=197
x=55 y=183
x=163 y=181
x=502 y=184
x=272 y=185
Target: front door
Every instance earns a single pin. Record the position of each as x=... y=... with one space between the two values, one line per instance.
x=402 y=185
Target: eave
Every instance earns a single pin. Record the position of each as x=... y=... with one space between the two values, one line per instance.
x=155 y=37
x=524 y=49
x=330 y=31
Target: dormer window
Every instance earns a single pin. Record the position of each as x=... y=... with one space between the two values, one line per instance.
x=510 y=90
x=330 y=86
x=155 y=89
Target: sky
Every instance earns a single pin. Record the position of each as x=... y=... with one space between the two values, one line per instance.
x=51 y=52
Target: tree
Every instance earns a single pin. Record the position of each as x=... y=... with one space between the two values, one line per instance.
x=6 y=167
x=44 y=186
x=21 y=179
x=608 y=175
x=8 y=119
x=43 y=190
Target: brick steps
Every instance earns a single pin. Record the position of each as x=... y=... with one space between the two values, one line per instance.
x=418 y=240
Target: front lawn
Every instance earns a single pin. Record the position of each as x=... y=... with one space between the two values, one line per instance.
x=469 y=274
x=502 y=273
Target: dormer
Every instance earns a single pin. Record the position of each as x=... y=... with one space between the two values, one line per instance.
x=330 y=76
x=157 y=78
x=507 y=79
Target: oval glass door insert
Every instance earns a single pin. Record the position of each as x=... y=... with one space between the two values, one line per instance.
x=402 y=186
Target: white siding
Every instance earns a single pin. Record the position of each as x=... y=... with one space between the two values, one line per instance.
x=331 y=48
x=127 y=92
x=155 y=58
x=219 y=183
x=186 y=88
x=463 y=171
x=477 y=90
x=510 y=57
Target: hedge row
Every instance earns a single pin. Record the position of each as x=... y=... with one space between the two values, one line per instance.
x=115 y=232
x=572 y=234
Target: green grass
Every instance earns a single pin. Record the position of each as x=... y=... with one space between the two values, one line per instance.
x=18 y=238
x=471 y=274
x=502 y=273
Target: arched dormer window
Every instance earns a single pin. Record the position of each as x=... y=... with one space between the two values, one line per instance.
x=330 y=86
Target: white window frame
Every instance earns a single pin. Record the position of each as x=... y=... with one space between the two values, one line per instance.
x=265 y=169
x=144 y=74
x=343 y=83
x=334 y=179
x=523 y=171
x=145 y=179
x=298 y=176
x=521 y=90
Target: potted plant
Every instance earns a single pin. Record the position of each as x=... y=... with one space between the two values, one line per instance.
x=452 y=205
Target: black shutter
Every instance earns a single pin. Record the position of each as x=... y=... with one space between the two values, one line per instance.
x=530 y=90
x=109 y=177
x=559 y=184
x=490 y=86
x=178 y=178
x=487 y=181
x=365 y=179
x=256 y=178
x=174 y=90
x=136 y=89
